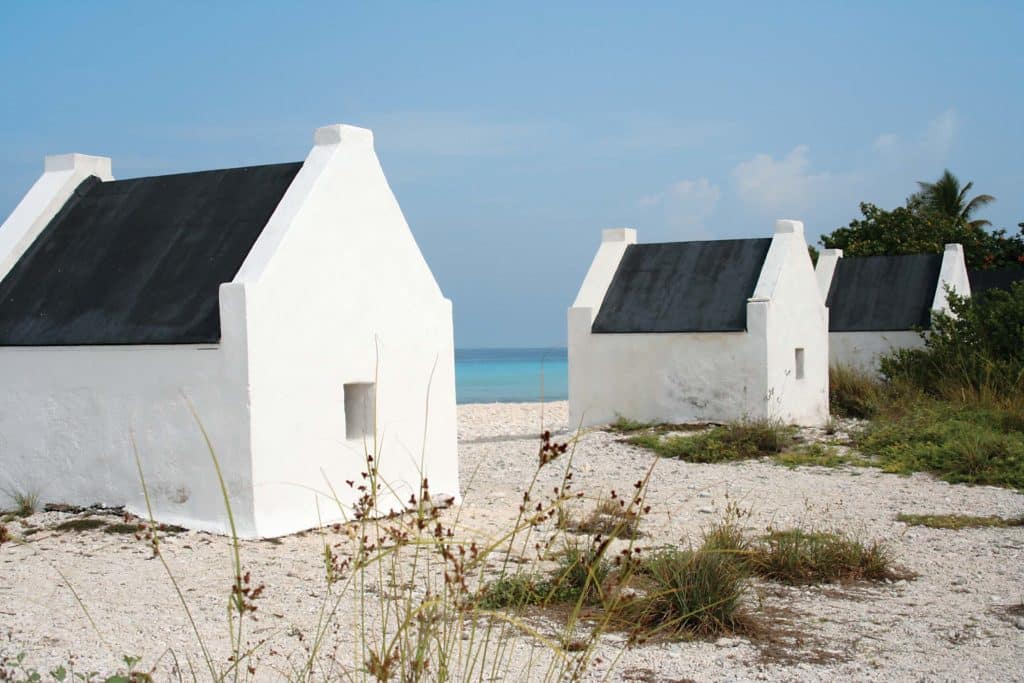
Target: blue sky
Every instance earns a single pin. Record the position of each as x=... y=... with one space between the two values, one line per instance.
x=512 y=134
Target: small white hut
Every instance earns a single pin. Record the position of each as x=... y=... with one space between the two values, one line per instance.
x=878 y=303
x=288 y=304
x=699 y=331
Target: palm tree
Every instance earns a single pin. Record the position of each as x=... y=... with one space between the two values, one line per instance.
x=945 y=196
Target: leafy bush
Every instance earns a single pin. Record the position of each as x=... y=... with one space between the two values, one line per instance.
x=735 y=441
x=916 y=229
x=979 y=347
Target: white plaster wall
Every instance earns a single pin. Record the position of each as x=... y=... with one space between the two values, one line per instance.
x=796 y=318
x=662 y=377
x=337 y=292
x=68 y=416
x=862 y=350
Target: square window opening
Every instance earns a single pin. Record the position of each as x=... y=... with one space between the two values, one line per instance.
x=360 y=405
x=799 y=363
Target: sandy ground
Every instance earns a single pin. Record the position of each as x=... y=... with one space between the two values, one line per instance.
x=954 y=622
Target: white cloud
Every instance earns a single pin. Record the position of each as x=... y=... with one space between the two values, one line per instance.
x=686 y=204
x=785 y=185
x=792 y=186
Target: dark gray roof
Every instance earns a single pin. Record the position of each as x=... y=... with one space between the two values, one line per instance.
x=683 y=287
x=139 y=261
x=883 y=293
x=1001 y=278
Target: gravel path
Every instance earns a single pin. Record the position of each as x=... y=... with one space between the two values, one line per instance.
x=954 y=622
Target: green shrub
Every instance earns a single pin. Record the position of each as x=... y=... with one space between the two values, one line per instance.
x=978 y=347
x=735 y=441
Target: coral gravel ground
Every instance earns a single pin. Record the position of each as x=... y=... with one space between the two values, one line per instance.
x=960 y=619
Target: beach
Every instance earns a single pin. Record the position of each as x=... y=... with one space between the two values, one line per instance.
x=956 y=619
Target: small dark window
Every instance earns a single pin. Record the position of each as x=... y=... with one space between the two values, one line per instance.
x=360 y=406
x=799 y=363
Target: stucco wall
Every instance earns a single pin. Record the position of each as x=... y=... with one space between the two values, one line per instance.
x=662 y=377
x=338 y=281
x=862 y=350
x=68 y=416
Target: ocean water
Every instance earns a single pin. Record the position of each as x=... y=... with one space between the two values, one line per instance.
x=511 y=375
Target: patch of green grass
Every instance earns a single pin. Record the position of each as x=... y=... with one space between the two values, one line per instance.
x=854 y=393
x=515 y=591
x=581 y=574
x=727 y=443
x=689 y=591
x=624 y=425
x=820 y=455
x=959 y=521
x=958 y=442
x=578 y=579
x=796 y=556
x=81 y=524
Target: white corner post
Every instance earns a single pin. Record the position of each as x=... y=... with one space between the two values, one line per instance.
x=828 y=259
x=614 y=242
x=952 y=275
x=62 y=173
x=580 y=318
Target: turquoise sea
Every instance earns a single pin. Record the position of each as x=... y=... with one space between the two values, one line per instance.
x=511 y=375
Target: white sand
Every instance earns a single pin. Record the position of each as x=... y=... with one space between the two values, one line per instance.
x=948 y=624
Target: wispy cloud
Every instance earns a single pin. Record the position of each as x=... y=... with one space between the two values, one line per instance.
x=686 y=205
x=791 y=185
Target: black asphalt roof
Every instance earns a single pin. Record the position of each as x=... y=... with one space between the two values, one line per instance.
x=1000 y=278
x=139 y=261
x=683 y=287
x=883 y=293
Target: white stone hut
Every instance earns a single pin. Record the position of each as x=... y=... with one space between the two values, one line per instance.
x=878 y=303
x=699 y=331
x=288 y=304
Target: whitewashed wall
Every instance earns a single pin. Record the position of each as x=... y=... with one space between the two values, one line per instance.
x=863 y=350
x=68 y=416
x=334 y=291
x=336 y=276
x=714 y=376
